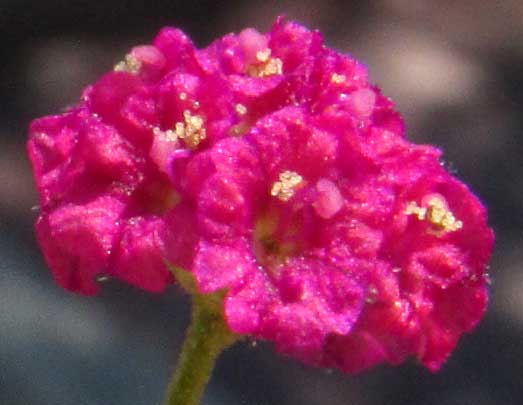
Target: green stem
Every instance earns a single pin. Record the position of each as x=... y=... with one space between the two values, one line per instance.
x=206 y=338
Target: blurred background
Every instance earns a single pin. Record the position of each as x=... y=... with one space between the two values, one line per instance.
x=454 y=69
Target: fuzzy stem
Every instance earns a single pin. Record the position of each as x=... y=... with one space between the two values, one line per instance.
x=206 y=338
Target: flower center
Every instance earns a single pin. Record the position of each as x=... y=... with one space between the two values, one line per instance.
x=270 y=246
x=283 y=230
x=154 y=197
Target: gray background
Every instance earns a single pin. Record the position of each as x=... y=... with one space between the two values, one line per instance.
x=454 y=68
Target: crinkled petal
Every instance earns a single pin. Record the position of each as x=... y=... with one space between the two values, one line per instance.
x=313 y=300
x=77 y=241
x=140 y=255
x=222 y=265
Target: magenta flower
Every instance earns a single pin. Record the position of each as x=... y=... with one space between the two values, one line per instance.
x=267 y=166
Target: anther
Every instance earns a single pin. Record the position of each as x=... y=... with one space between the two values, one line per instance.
x=191 y=130
x=286 y=186
x=435 y=210
x=266 y=66
x=337 y=78
x=130 y=64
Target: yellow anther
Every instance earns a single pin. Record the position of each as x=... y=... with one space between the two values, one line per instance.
x=272 y=67
x=130 y=64
x=182 y=96
x=168 y=135
x=338 y=79
x=414 y=209
x=191 y=130
x=240 y=109
x=284 y=188
x=434 y=210
x=243 y=126
x=266 y=66
x=439 y=215
x=263 y=56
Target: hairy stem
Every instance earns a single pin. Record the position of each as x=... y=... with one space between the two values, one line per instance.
x=206 y=338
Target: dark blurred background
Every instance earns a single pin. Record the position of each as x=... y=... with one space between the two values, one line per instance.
x=455 y=70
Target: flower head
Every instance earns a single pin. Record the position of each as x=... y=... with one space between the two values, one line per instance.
x=267 y=166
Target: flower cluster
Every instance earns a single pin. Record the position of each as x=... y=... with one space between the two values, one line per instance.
x=267 y=166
